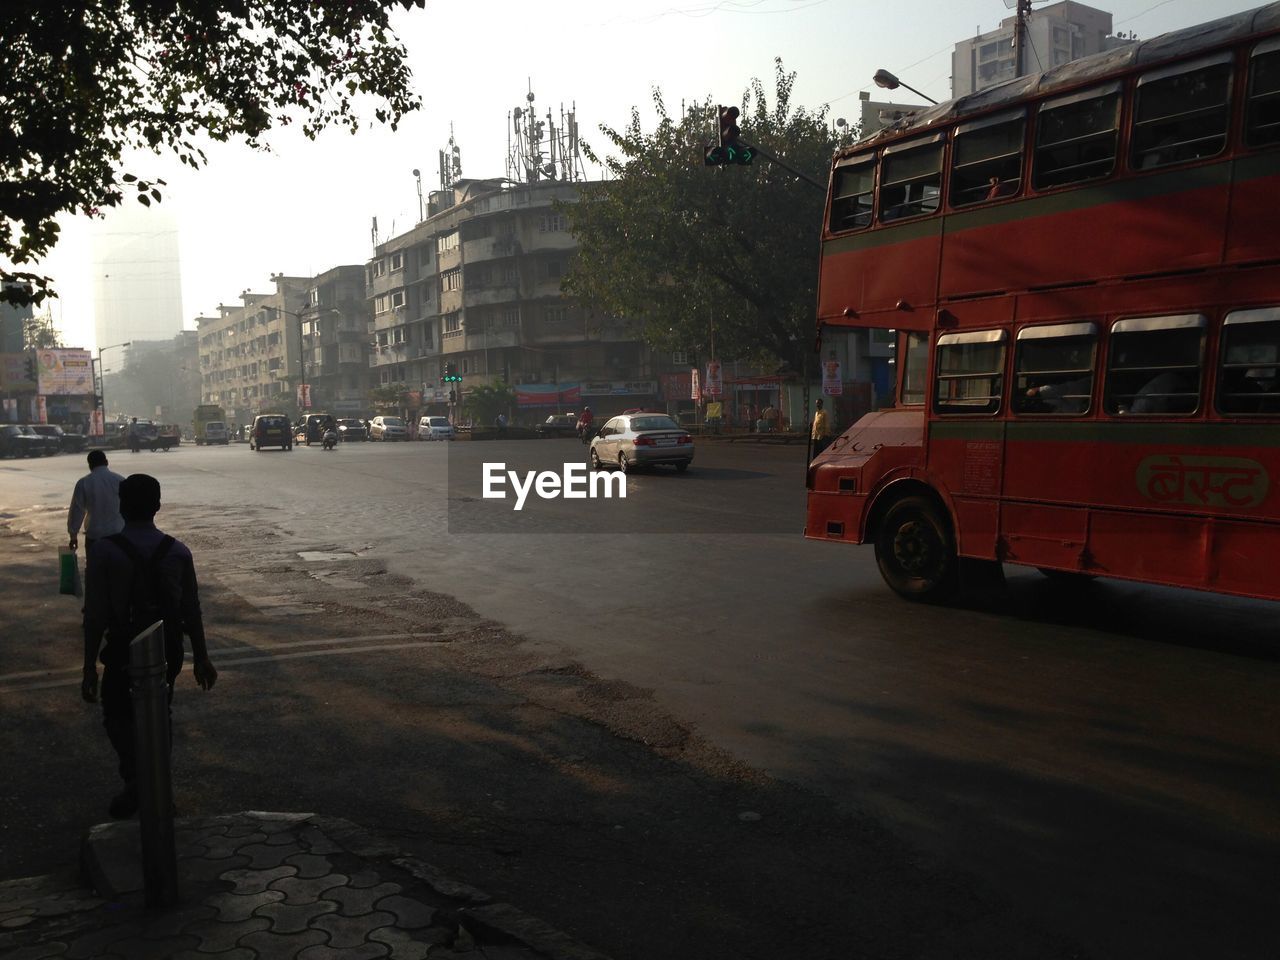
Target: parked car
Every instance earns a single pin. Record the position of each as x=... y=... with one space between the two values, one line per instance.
x=435 y=428
x=15 y=443
x=168 y=435
x=558 y=425
x=67 y=442
x=349 y=430
x=215 y=431
x=388 y=428
x=44 y=445
x=641 y=440
x=271 y=430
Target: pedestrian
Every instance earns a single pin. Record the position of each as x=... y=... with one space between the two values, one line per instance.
x=821 y=433
x=95 y=503
x=135 y=441
x=135 y=577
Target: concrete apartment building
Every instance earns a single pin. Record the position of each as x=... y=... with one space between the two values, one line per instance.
x=476 y=286
x=335 y=320
x=1056 y=34
x=250 y=357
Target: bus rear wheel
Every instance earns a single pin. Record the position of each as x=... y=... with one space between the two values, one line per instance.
x=914 y=551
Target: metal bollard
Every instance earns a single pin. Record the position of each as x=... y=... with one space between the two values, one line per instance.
x=155 y=781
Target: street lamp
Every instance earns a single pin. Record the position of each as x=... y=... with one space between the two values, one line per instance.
x=102 y=374
x=885 y=79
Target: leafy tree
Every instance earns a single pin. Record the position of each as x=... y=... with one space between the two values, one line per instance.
x=390 y=398
x=83 y=81
x=39 y=333
x=484 y=403
x=680 y=248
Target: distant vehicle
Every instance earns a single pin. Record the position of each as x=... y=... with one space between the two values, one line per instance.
x=435 y=428
x=215 y=432
x=67 y=442
x=167 y=435
x=639 y=440
x=312 y=426
x=204 y=415
x=349 y=430
x=388 y=428
x=271 y=430
x=14 y=442
x=558 y=425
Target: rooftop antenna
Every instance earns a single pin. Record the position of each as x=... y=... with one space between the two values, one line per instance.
x=417 y=175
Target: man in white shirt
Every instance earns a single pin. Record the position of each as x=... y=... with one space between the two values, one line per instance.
x=97 y=494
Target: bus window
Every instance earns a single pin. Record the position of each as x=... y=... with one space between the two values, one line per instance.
x=1076 y=137
x=910 y=181
x=1053 y=368
x=915 y=368
x=1181 y=113
x=851 y=199
x=986 y=159
x=1249 y=381
x=970 y=377
x=1154 y=365
x=1262 y=117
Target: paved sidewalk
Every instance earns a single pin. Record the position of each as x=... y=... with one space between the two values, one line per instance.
x=266 y=886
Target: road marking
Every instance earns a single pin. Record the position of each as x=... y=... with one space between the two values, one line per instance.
x=253 y=655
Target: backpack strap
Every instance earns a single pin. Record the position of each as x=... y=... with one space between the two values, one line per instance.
x=129 y=550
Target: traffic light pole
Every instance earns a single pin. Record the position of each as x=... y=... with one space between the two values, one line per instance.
x=787 y=167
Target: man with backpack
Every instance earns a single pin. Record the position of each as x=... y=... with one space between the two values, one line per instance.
x=132 y=579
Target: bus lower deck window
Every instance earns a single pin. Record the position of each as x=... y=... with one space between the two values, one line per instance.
x=1154 y=366
x=970 y=372
x=1249 y=375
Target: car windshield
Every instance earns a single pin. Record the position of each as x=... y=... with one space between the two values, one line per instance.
x=653 y=423
x=392 y=422
x=350 y=423
x=215 y=425
x=274 y=422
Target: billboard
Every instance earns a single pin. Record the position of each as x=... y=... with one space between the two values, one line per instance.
x=64 y=372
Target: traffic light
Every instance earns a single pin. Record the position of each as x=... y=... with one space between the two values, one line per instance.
x=453 y=396
x=451 y=374
x=33 y=370
x=97 y=401
x=729 y=132
x=730 y=149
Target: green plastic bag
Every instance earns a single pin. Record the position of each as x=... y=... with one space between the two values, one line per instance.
x=69 y=573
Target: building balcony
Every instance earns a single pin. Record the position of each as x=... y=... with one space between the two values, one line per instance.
x=494 y=339
x=485 y=296
x=453 y=341
x=490 y=248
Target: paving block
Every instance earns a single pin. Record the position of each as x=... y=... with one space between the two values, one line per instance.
x=292 y=919
x=217 y=936
x=281 y=946
x=353 y=902
x=310 y=865
x=234 y=907
x=351 y=932
x=255 y=881
x=296 y=890
x=410 y=914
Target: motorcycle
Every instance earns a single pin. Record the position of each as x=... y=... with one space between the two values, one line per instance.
x=330 y=440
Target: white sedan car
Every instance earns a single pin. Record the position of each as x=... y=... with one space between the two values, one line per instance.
x=388 y=428
x=435 y=428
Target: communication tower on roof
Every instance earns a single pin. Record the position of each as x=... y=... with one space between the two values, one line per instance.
x=450 y=163
x=539 y=149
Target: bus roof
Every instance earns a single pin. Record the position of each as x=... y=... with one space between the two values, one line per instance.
x=1169 y=46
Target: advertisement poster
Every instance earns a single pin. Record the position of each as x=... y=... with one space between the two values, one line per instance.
x=715 y=383
x=41 y=409
x=304 y=396
x=97 y=426
x=696 y=391
x=64 y=372
x=832 y=385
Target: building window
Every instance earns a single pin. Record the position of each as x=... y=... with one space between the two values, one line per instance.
x=680 y=358
x=380 y=304
x=446 y=243
x=551 y=223
x=510 y=316
x=554 y=269
x=379 y=268
x=424 y=256
x=556 y=314
x=397 y=299
x=453 y=323
x=452 y=280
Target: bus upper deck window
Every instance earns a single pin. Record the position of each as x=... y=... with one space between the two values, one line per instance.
x=1249 y=378
x=970 y=372
x=910 y=181
x=986 y=159
x=852 y=196
x=1076 y=137
x=1154 y=365
x=1182 y=113
x=1262 y=117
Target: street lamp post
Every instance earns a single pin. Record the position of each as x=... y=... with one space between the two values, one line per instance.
x=102 y=374
x=886 y=80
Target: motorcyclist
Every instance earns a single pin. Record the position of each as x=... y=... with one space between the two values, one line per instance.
x=584 y=425
x=330 y=437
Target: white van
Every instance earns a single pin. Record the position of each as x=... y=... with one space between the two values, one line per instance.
x=435 y=428
x=215 y=431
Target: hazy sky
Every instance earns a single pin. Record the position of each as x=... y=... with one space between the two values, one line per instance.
x=307 y=206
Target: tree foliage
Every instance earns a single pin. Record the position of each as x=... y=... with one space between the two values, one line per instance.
x=485 y=402
x=679 y=248
x=84 y=81
x=39 y=333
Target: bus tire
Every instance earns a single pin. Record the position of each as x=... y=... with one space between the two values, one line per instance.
x=914 y=551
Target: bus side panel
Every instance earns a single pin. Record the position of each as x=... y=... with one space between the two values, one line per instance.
x=1251 y=229
x=1118 y=230
x=1042 y=535
x=978 y=523
x=966 y=463
x=834 y=516
x=875 y=271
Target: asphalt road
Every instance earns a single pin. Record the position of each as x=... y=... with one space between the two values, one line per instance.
x=1105 y=760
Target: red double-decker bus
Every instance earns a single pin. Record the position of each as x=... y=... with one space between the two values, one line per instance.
x=1082 y=268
